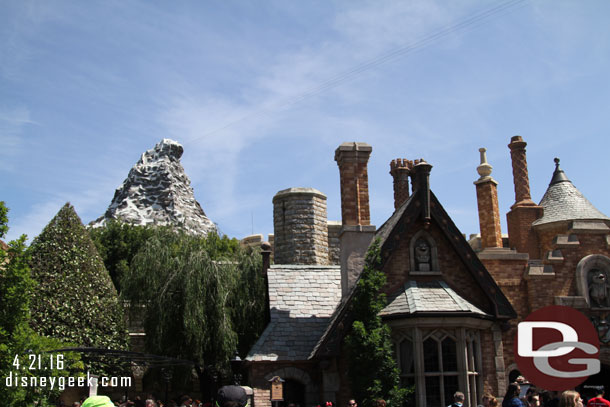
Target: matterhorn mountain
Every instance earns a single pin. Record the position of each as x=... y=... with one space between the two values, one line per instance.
x=157 y=191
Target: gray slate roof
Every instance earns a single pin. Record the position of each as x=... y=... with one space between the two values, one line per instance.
x=433 y=296
x=562 y=201
x=302 y=300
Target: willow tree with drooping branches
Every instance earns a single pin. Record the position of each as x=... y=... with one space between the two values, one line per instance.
x=200 y=298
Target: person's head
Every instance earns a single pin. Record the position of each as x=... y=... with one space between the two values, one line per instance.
x=76 y=404
x=598 y=391
x=513 y=391
x=186 y=400
x=533 y=399
x=232 y=396
x=352 y=403
x=380 y=403
x=570 y=398
x=98 y=401
x=150 y=403
x=489 y=400
x=458 y=397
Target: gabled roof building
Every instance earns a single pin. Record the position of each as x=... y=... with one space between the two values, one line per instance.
x=452 y=311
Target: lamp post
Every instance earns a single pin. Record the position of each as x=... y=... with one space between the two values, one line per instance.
x=236 y=368
x=166 y=374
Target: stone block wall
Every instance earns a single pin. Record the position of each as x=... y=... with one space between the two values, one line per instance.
x=300 y=227
x=334 y=244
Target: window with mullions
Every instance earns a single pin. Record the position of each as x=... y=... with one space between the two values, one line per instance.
x=407 y=363
x=440 y=368
x=444 y=365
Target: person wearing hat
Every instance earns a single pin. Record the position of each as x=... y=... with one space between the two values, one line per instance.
x=98 y=401
x=232 y=396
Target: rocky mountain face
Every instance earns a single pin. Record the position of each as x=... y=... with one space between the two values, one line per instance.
x=158 y=191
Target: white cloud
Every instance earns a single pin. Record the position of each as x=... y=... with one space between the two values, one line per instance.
x=12 y=123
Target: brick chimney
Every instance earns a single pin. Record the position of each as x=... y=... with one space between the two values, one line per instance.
x=487 y=200
x=524 y=211
x=356 y=231
x=400 y=170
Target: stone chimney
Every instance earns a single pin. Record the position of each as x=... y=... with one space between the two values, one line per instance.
x=487 y=200
x=300 y=227
x=524 y=211
x=357 y=231
x=400 y=170
x=421 y=181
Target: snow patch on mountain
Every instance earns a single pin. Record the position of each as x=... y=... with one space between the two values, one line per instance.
x=157 y=191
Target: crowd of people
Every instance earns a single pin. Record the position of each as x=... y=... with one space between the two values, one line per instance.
x=228 y=396
x=235 y=396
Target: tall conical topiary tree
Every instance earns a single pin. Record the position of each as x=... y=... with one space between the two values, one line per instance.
x=75 y=300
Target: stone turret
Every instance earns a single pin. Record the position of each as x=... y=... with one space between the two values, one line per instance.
x=300 y=227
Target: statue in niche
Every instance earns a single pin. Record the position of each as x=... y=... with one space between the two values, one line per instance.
x=599 y=288
x=422 y=255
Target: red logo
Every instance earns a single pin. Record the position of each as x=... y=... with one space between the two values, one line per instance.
x=557 y=348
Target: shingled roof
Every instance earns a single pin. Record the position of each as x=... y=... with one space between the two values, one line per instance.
x=562 y=201
x=424 y=297
x=301 y=299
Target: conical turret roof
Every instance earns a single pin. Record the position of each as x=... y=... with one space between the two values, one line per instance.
x=562 y=201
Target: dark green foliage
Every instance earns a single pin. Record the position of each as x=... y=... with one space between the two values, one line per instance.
x=372 y=369
x=202 y=295
x=75 y=300
x=16 y=336
x=3 y=219
x=117 y=244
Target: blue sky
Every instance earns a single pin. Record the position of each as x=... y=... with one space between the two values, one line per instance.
x=260 y=93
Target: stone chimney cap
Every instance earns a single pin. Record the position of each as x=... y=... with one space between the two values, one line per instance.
x=484 y=169
x=516 y=142
x=354 y=146
x=299 y=191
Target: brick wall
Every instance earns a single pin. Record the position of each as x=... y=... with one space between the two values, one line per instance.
x=521 y=236
x=453 y=270
x=489 y=214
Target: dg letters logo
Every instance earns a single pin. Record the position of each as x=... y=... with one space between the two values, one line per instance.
x=557 y=348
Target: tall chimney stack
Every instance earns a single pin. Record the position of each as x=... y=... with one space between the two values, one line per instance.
x=524 y=211
x=487 y=200
x=357 y=231
x=400 y=170
x=520 y=176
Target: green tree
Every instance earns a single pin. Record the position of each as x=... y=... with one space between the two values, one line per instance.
x=17 y=340
x=372 y=368
x=202 y=296
x=75 y=299
x=117 y=243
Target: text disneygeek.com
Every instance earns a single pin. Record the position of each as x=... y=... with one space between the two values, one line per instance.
x=44 y=363
x=14 y=380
